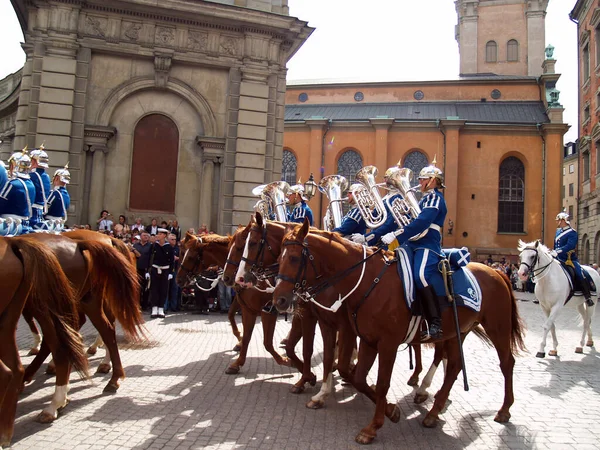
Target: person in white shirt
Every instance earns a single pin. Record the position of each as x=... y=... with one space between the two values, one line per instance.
x=105 y=222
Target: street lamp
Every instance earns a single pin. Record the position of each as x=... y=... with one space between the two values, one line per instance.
x=310 y=187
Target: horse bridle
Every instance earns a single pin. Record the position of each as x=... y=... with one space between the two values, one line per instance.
x=257 y=265
x=198 y=261
x=300 y=281
x=531 y=268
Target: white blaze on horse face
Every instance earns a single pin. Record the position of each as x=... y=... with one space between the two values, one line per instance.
x=184 y=256
x=242 y=269
x=228 y=257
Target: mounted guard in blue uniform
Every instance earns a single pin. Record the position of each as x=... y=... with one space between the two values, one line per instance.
x=353 y=222
x=18 y=195
x=299 y=209
x=565 y=248
x=43 y=186
x=59 y=199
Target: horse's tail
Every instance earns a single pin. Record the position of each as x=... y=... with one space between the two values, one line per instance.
x=517 y=343
x=481 y=334
x=50 y=294
x=113 y=276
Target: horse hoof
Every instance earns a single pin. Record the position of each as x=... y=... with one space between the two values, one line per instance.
x=232 y=370
x=313 y=380
x=91 y=351
x=578 y=349
x=413 y=381
x=589 y=343
x=50 y=370
x=502 y=417
x=45 y=417
x=297 y=389
x=395 y=416
x=540 y=355
x=103 y=368
x=430 y=421
x=237 y=348
x=315 y=404
x=420 y=398
x=33 y=351
x=286 y=362
x=363 y=438
x=110 y=388
x=552 y=353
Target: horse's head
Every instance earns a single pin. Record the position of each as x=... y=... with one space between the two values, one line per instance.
x=234 y=256
x=528 y=257
x=261 y=250
x=293 y=266
x=192 y=261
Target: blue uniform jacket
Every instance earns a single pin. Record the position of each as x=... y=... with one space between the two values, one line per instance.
x=58 y=202
x=352 y=222
x=565 y=241
x=3 y=183
x=389 y=225
x=300 y=211
x=41 y=181
x=17 y=197
x=432 y=216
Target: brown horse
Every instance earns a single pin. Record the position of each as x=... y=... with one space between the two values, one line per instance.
x=84 y=235
x=381 y=318
x=212 y=250
x=31 y=273
x=106 y=287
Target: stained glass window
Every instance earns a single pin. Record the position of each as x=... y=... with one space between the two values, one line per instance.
x=511 y=196
x=289 y=166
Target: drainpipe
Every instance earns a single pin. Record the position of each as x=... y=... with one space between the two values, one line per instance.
x=539 y=127
x=439 y=126
x=323 y=165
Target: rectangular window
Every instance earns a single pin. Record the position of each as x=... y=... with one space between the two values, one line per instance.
x=597 y=33
x=586 y=113
x=586 y=212
x=586 y=63
x=570 y=189
x=571 y=211
x=586 y=165
x=564 y=171
x=571 y=168
x=563 y=192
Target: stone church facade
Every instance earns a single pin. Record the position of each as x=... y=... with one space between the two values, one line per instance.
x=171 y=112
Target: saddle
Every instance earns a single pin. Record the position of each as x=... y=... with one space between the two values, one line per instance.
x=576 y=287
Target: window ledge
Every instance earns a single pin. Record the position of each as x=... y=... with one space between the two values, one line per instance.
x=514 y=233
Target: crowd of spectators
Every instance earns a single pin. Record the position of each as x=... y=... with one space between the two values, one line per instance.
x=511 y=270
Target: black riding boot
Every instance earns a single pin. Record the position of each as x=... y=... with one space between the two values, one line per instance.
x=585 y=288
x=431 y=310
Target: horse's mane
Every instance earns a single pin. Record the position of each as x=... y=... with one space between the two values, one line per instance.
x=215 y=239
x=523 y=245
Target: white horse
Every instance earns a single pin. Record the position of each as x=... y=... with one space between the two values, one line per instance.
x=552 y=289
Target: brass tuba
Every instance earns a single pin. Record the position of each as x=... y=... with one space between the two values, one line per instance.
x=333 y=186
x=262 y=206
x=275 y=193
x=368 y=199
x=405 y=209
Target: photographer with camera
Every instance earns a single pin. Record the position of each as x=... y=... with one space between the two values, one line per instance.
x=105 y=222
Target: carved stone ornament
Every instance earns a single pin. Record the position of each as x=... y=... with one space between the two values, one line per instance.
x=228 y=46
x=197 y=40
x=162 y=66
x=132 y=30
x=164 y=36
x=95 y=26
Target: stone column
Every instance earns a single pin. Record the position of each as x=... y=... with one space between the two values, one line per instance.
x=206 y=190
x=315 y=162
x=466 y=35
x=450 y=168
x=382 y=126
x=213 y=151
x=536 y=36
x=6 y=147
x=96 y=145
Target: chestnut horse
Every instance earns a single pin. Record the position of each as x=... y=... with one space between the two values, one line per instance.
x=380 y=316
x=31 y=273
x=212 y=250
x=106 y=287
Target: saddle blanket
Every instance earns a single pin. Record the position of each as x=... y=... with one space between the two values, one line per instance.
x=570 y=273
x=467 y=292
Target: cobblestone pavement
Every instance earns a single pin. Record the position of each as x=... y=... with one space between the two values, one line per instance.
x=176 y=395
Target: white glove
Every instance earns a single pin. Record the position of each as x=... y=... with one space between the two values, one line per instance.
x=147 y=276
x=358 y=238
x=387 y=239
x=553 y=253
x=170 y=277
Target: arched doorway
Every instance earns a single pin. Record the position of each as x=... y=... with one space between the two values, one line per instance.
x=154 y=165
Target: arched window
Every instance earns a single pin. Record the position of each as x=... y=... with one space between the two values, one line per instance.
x=511 y=196
x=154 y=164
x=491 y=52
x=415 y=161
x=348 y=164
x=289 y=167
x=512 y=50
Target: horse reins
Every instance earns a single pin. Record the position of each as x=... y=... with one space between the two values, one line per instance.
x=257 y=264
x=531 y=268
